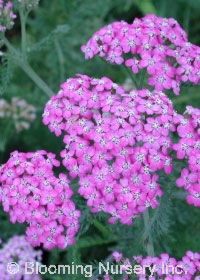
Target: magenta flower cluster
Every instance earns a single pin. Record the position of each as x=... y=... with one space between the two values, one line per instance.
x=31 y=193
x=6 y=15
x=114 y=142
x=188 y=147
x=163 y=267
x=156 y=44
x=18 y=250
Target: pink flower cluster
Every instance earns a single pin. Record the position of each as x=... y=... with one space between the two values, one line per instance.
x=114 y=142
x=188 y=147
x=157 y=44
x=6 y=16
x=163 y=267
x=18 y=250
x=31 y=193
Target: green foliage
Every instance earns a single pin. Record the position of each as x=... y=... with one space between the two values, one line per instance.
x=6 y=73
x=47 y=42
x=161 y=220
x=7 y=228
x=146 y=6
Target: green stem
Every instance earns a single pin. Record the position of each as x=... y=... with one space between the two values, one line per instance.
x=4 y=137
x=142 y=78
x=21 y=62
x=10 y=46
x=60 y=60
x=35 y=78
x=148 y=242
x=132 y=77
x=187 y=19
x=23 y=32
x=102 y=228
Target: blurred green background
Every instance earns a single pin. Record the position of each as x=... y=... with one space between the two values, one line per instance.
x=55 y=33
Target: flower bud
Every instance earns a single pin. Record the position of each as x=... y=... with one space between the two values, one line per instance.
x=6 y=16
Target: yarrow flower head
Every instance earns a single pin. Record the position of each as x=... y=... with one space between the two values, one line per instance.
x=18 y=250
x=6 y=15
x=157 y=44
x=162 y=267
x=31 y=193
x=188 y=147
x=114 y=142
